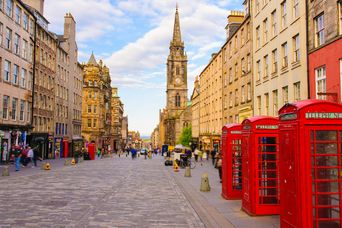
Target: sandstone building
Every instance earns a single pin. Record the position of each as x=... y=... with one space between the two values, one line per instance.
x=17 y=37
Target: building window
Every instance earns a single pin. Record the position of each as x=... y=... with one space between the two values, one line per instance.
x=237 y=118
x=177 y=100
x=22 y=110
x=257 y=6
x=285 y=90
x=236 y=71
x=319 y=29
x=231 y=99
x=14 y=108
x=25 y=21
x=267 y=104
x=243 y=66
x=259 y=105
x=296 y=48
x=242 y=35
x=243 y=94
x=5 y=103
x=23 y=78
x=274 y=23
x=283 y=15
x=257 y=33
x=89 y=122
x=249 y=65
x=7 y=71
x=285 y=55
x=24 y=49
x=274 y=61
x=30 y=81
x=265 y=27
x=265 y=66
x=275 y=102
x=8 y=38
x=89 y=108
x=258 y=70
x=17 y=14
x=95 y=123
x=15 y=74
x=95 y=95
x=296 y=87
x=249 y=92
x=248 y=31
x=295 y=9
x=95 y=108
x=230 y=75
x=321 y=86
x=236 y=97
x=9 y=7
x=1 y=32
x=16 y=44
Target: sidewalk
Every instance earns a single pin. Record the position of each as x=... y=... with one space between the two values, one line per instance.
x=28 y=170
x=214 y=210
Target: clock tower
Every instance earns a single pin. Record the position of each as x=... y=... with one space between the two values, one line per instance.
x=177 y=87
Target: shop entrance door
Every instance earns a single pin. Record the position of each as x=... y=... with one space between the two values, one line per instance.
x=326 y=168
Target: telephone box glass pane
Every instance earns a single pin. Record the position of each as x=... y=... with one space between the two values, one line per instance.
x=326 y=178
x=267 y=170
x=236 y=164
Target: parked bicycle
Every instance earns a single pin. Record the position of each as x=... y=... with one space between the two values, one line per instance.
x=186 y=161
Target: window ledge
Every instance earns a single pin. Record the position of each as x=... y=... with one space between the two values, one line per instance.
x=295 y=64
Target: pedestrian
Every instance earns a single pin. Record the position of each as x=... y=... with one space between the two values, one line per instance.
x=98 y=152
x=30 y=156
x=196 y=154
x=218 y=164
x=200 y=154
x=35 y=156
x=213 y=154
x=17 y=157
x=207 y=153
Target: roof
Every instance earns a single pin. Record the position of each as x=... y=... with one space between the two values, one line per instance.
x=305 y=103
x=228 y=126
x=92 y=59
x=258 y=118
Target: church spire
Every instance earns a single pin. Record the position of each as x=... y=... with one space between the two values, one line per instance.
x=177 y=39
x=92 y=59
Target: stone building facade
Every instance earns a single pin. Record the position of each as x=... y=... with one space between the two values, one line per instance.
x=124 y=132
x=17 y=29
x=279 y=58
x=237 y=80
x=96 y=104
x=117 y=118
x=211 y=103
x=195 y=113
x=325 y=49
x=176 y=114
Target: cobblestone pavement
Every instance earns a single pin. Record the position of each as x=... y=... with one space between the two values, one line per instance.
x=112 y=192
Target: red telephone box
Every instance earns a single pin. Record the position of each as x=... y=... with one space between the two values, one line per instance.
x=231 y=161
x=91 y=150
x=65 y=148
x=311 y=164
x=260 y=142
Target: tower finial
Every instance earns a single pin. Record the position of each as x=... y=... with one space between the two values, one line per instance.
x=177 y=40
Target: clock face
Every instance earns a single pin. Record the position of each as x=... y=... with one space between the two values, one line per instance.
x=178 y=81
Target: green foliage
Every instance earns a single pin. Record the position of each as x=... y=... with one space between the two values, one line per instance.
x=185 y=137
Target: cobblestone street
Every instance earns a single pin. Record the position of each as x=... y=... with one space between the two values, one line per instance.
x=115 y=192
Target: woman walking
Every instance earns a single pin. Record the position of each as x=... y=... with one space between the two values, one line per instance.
x=218 y=164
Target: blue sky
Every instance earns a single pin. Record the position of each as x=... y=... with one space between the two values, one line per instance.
x=132 y=38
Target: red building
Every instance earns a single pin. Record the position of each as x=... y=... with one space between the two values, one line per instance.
x=325 y=49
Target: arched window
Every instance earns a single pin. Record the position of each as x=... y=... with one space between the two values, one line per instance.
x=177 y=100
x=177 y=70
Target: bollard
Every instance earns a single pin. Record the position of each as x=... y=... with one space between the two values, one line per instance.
x=205 y=187
x=66 y=162
x=81 y=159
x=73 y=162
x=175 y=166
x=46 y=166
x=187 y=172
x=5 y=171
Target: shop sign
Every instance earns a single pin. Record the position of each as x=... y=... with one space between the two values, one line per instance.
x=290 y=116
x=235 y=132
x=323 y=115
x=266 y=127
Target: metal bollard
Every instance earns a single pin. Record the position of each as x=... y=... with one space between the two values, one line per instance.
x=187 y=172
x=205 y=187
x=5 y=171
x=66 y=162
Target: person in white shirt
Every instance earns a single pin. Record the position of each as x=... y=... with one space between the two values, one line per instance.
x=30 y=155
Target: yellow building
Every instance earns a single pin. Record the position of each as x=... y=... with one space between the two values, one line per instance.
x=280 y=55
x=96 y=105
x=237 y=68
x=195 y=112
x=211 y=103
x=117 y=117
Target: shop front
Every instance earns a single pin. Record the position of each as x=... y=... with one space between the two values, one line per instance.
x=76 y=145
x=311 y=164
x=44 y=143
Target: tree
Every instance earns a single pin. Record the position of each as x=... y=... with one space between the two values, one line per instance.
x=185 y=137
